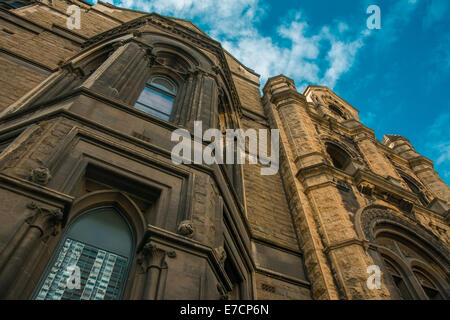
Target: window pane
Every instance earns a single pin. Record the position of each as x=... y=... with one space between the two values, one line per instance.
x=101 y=274
x=98 y=244
x=152 y=111
x=156 y=100
x=163 y=84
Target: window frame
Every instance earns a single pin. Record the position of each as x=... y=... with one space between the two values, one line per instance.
x=167 y=93
x=66 y=235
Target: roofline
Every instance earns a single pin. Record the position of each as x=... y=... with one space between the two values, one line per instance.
x=107 y=4
x=246 y=68
x=311 y=86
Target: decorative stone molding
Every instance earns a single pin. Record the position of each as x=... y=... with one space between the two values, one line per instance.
x=152 y=260
x=48 y=221
x=136 y=33
x=42 y=224
x=186 y=228
x=366 y=188
x=364 y=243
x=172 y=27
x=221 y=254
x=40 y=175
x=152 y=256
x=370 y=217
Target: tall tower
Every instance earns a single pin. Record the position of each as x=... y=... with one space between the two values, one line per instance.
x=359 y=203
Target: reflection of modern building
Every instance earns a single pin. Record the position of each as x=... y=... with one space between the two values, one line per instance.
x=86 y=177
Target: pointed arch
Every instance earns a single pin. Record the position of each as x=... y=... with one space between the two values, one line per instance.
x=114 y=198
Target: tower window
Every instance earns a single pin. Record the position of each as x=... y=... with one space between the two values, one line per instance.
x=13 y=4
x=428 y=286
x=99 y=245
x=413 y=185
x=336 y=110
x=235 y=279
x=399 y=281
x=339 y=157
x=158 y=97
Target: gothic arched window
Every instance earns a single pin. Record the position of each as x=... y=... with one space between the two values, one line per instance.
x=339 y=158
x=92 y=259
x=414 y=186
x=398 y=279
x=428 y=285
x=336 y=110
x=158 y=97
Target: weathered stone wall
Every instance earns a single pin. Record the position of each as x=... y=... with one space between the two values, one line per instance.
x=293 y=235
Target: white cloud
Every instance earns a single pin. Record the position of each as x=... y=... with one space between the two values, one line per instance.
x=320 y=57
x=395 y=19
x=438 y=143
x=436 y=11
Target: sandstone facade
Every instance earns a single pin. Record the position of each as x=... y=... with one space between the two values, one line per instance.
x=71 y=141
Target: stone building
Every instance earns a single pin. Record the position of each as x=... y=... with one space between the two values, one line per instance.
x=88 y=187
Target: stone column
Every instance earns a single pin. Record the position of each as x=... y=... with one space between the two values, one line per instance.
x=200 y=100
x=335 y=258
x=291 y=110
x=152 y=260
x=377 y=162
x=43 y=223
x=123 y=75
x=296 y=150
x=347 y=254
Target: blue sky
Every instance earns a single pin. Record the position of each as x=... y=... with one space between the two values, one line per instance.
x=398 y=77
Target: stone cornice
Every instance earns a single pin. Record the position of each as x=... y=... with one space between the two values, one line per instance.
x=312 y=88
x=37 y=192
x=360 y=177
x=291 y=95
x=175 y=241
x=366 y=176
x=349 y=130
x=346 y=243
x=421 y=160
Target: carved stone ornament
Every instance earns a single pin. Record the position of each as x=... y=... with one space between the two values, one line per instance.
x=366 y=188
x=221 y=254
x=186 y=228
x=48 y=221
x=153 y=255
x=40 y=175
x=371 y=217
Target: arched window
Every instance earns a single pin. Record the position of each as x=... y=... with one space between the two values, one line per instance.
x=336 y=110
x=158 y=97
x=428 y=285
x=339 y=157
x=398 y=279
x=92 y=259
x=414 y=186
